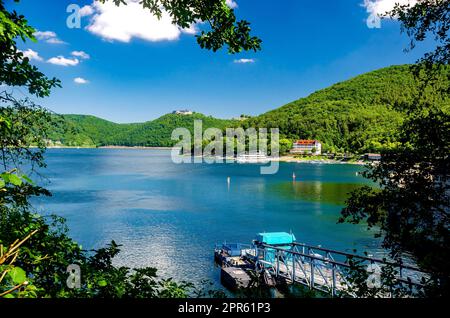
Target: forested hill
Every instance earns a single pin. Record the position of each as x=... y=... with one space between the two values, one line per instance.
x=358 y=115
x=85 y=130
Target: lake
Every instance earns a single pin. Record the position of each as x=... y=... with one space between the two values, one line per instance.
x=170 y=216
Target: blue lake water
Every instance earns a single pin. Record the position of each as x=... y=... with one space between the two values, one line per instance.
x=170 y=216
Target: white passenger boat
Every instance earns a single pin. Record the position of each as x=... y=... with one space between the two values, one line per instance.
x=257 y=157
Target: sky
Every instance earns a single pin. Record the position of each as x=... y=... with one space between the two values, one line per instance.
x=124 y=65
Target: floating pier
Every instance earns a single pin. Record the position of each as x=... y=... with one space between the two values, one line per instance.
x=276 y=257
x=235 y=278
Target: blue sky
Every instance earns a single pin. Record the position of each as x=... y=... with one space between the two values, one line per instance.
x=133 y=76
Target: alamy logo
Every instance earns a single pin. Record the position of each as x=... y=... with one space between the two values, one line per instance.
x=74 y=19
x=236 y=145
x=373 y=21
x=74 y=279
x=374 y=278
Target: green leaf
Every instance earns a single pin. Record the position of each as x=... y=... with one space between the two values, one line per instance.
x=17 y=275
x=2 y=183
x=24 y=177
x=15 y=180
x=102 y=283
x=5 y=177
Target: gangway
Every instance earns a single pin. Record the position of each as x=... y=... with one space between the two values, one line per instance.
x=323 y=269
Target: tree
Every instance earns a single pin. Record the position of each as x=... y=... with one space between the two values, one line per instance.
x=14 y=277
x=15 y=69
x=425 y=18
x=285 y=146
x=411 y=209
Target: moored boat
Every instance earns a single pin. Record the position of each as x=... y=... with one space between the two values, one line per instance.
x=256 y=157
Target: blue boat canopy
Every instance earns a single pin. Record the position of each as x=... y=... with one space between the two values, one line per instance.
x=232 y=249
x=275 y=238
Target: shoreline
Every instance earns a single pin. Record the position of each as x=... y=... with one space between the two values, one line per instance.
x=109 y=147
x=285 y=159
x=290 y=159
x=134 y=147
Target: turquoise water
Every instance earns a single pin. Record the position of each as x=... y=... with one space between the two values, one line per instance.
x=170 y=216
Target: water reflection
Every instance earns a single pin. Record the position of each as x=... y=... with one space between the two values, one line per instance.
x=170 y=216
x=316 y=191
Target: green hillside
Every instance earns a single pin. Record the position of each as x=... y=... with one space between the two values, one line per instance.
x=357 y=115
x=85 y=130
x=158 y=132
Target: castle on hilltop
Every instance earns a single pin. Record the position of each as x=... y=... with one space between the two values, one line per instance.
x=182 y=112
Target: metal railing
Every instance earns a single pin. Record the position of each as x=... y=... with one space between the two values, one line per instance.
x=320 y=268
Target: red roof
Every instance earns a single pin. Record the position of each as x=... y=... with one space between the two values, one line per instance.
x=306 y=142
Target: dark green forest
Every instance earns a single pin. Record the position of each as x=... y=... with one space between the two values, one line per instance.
x=88 y=131
x=358 y=115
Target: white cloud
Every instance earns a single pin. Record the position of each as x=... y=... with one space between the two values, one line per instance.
x=62 y=61
x=126 y=22
x=80 y=80
x=44 y=35
x=55 y=41
x=381 y=7
x=48 y=36
x=232 y=4
x=32 y=55
x=86 y=11
x=81 y=54
x=244 y=61
x=191 y=30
